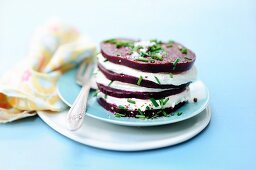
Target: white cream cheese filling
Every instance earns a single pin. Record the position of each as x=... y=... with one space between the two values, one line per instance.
x=164 y=78
x=143 y=103
x=102 y=79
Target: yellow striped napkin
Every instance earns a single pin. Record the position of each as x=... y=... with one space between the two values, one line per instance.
x=31 y=85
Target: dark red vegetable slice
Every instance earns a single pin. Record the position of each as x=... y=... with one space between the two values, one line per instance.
x=129 y=113
x=176 y=52
x=139 y=95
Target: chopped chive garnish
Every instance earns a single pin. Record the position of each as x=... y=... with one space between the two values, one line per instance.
x=171 y=75
x=140 y=116
x=110 y=82
x=165 y=101
x=157 y=80
x=112 y=41
x=159 y=112
x=161 y=101
x=175 y=63
x=179 y=113
x=147 y=108
x=170 y=43
x=183 y=50
x=142 y=59
x=120 y=44
x=156 y=41
x=105 y=60
x=154 y=102
x=164 y=113
x=140 y=80
x=137 y=48
x=143 y=54
x=152 y=60
x=105 y=96
x=119 y=115
x=140 y=112
x=122 y=107
x=156 y=56
x=187 y=58
x=131 y=101
x=96 y=93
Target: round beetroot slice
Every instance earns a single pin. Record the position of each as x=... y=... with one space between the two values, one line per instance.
x=139 y=95
x=122 y=56
x=133 y=80
x=132 y=113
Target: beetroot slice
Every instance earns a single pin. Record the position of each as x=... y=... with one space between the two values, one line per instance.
x=129 y=113
x=122 y=56
x=133 y=80
x=139 y=95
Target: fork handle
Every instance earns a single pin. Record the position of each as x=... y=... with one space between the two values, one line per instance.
x=76 y=113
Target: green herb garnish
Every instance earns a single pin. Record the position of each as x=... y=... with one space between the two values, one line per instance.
x=183 y=50
x=155 y=48
x=110 y=82
x=158 y=57
x=161 y=101
x=105 y=60
x=140 y=111
x=160 y=111
x=179 y=113
x=119 y=115
x=147 y=108
x=137 y=48
x=122 y=107
x=171 y=75
x=187 y=58
x=120 y=44
x=131 y=101
x=96 y=93
x=157 y=80
x=111 y=41
x=164 y=113
x=156 y=41
x=105 y=96
x=142 y=59
x=170 y=43
x=143 y=54
x=152 y=61
x=140 y=80
x=165 y=101
x=154 y=102
x=140 y=116
x=175 y=63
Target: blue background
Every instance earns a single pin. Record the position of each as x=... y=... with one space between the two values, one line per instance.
x=221 y=33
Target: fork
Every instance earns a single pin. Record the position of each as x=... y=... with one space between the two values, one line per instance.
x=76 y=113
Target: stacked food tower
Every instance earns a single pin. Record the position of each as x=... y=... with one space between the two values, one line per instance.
x=144 y=79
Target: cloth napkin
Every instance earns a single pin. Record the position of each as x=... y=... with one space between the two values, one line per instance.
x=31 y=85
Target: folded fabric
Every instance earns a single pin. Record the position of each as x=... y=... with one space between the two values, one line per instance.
x=31 y=85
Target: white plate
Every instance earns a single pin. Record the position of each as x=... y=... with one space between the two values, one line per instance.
x=109 y=136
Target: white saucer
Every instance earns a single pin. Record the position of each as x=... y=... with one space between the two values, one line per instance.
x=109 y=136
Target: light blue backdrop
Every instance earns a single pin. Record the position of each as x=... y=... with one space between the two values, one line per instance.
x=221 y=33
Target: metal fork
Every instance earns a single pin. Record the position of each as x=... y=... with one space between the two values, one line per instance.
x=76 y=113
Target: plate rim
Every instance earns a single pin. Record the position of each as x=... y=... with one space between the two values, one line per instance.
x=140 y=147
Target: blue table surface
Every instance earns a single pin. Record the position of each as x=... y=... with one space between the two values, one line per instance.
x=221 y=33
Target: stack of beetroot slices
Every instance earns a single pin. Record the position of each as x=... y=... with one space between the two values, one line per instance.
x=144 y=79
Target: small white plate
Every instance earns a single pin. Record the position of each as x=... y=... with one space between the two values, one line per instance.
x=109 y=136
